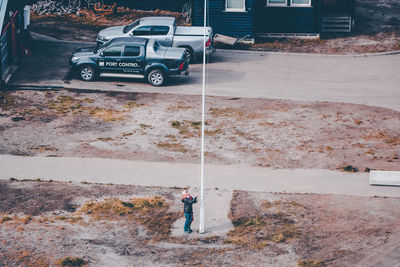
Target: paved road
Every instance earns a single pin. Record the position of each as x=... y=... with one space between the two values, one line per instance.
x=226 y=177
x=372 y=80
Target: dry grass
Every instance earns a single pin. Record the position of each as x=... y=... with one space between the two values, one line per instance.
x=107 y=115
x=24 y=257
x=133 y=104
x=65 y=105
x=71 y=261
x=383 y=136
x=175 y=147
x=225 y=112
x=151 y=212
x=311 y=263
x=189 y=129
x=273 y=223
x=44 y=148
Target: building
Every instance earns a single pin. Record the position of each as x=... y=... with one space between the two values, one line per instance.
x=276 y=18
x=14 y=27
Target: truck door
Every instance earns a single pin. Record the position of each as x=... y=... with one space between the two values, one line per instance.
x=163 y=34
x=133 y=59
x=110 y=58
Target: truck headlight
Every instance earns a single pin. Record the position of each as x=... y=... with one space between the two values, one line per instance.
x=104 y=38
x=74 y=59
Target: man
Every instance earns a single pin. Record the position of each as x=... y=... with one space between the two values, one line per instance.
x=188 y=210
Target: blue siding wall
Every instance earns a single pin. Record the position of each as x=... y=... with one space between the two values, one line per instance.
x=235 y=24
x=288 y=19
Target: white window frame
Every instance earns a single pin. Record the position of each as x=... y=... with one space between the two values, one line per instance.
x=304 y=5
x=229 y=9
x=277 y=4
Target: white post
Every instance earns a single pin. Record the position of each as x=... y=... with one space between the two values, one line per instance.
x=201 y=227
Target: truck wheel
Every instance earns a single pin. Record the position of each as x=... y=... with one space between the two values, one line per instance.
x=191 y=54
x=87 y=73
x=156 y=77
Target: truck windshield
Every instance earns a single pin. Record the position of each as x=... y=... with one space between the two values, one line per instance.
x=129 y=27
x=100 y=47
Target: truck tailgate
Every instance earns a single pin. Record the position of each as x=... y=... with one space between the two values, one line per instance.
x=192 y=31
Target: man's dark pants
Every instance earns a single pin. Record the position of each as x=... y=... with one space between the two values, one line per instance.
x=188 y=222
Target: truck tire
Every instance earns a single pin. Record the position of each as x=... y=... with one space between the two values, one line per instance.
x=156 y=77
x=87 y=73
x=191 y=53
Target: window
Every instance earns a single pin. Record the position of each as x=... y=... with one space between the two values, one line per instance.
x=300 y=2
x=235 y=5
x=141 y=31
x=294 y=3
x=114 y=51
x=276 y=2
x=159 y=30
x=129 y=27
x=132 y=51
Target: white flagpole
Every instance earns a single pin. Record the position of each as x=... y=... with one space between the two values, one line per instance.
x=201 y=228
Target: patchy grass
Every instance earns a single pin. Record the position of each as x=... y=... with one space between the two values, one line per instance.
x=225 y=112
x=24 y=257
x=71 y=261
x=175 y=147
x=311 y=263
x=44 y=148
x=107 y=115
x=273 y=224
x=132 y=104
x=105 y=139
x=5 y=219
x=151 y=212
x=383 y=136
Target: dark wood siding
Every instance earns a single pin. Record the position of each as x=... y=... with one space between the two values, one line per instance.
x=235 y=24
x=288 y=19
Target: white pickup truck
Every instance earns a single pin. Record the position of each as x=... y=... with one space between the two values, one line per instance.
x=166 y=32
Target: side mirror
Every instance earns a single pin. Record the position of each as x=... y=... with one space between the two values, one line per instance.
x=101 y=54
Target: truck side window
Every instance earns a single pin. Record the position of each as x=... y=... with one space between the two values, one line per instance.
x=159 y=30
x=114 y=51
x=132 y=51
x=144 y=30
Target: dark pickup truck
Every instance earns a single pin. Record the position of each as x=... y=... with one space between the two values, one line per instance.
x=132 y=58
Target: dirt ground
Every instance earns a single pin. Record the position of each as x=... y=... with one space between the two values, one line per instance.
x=377 y=29
x=163 y=127
x=47 y=223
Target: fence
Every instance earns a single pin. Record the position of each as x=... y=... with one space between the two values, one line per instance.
x=9 y=42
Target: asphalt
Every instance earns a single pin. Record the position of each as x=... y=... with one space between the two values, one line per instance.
x=220 y=177
x=369 y=80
